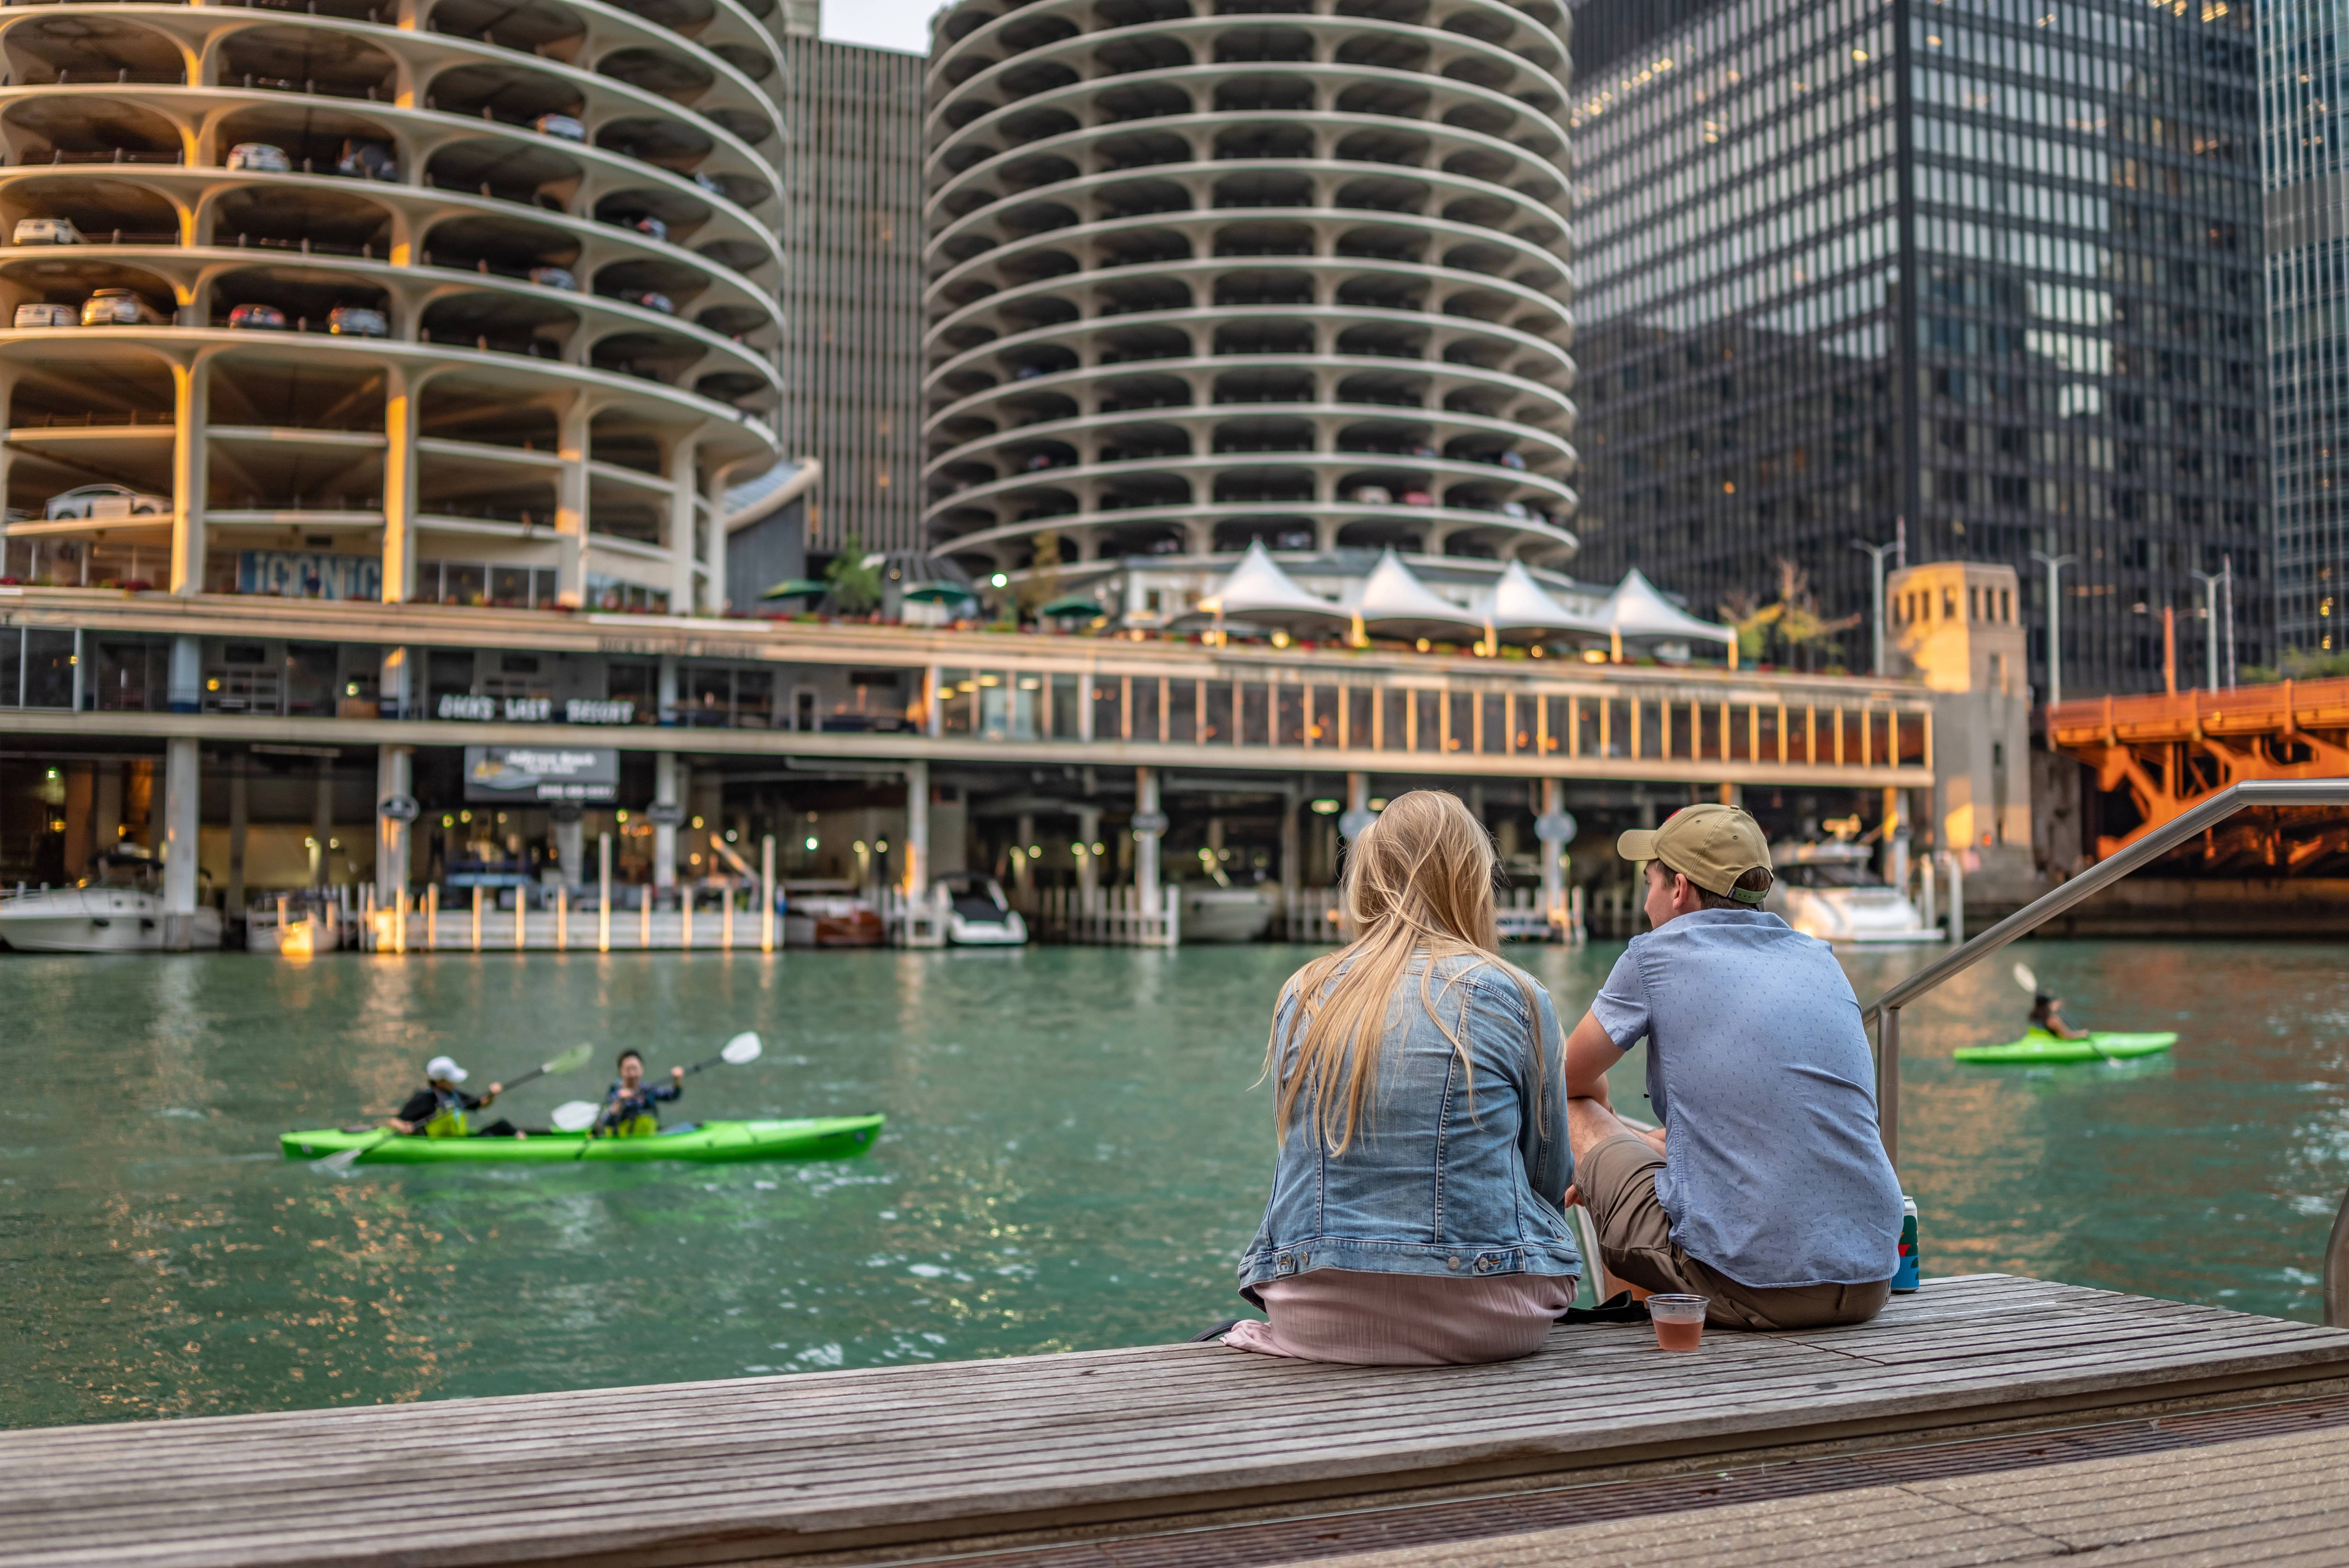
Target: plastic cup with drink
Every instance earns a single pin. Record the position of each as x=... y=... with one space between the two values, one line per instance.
x=1679 y=1320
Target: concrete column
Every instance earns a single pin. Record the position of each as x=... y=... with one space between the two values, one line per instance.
x=393 y=776
x=182 y=787
x=1087 y=865
x=106 y=808
x=156 y=796
x=917 y=826
x=1145 y=845
x=1896 y=841
x=81 y=838
x=1023 y=868
x=570 y=504
x=187 y=686
x=322 y=822
x=1292 y=867
x=397 y=691
x=667 y=688
x=571 y=845
x=1553 y=796
x=402 y=394
x=239 y=815
x=1358 y=791
x=190 y=475
x=683 y=491
x=664 y=793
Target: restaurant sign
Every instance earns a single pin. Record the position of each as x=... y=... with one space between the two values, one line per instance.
x=587 y=774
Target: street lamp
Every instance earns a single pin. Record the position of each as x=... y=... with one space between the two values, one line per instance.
x=2055 y=564
x=1876 y=554
x=2211 y=582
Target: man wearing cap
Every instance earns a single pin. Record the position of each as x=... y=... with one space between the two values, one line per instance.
x=1766 y=1189
x=437 y=1110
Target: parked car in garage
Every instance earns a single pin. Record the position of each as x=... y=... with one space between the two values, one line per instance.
x=561 y=127
x=46 y=315
x=120 y=307
x=555 y=277
x=257 y=318
x=259 y=157
x=45 y=231
x=645 y=224
x=358 y=320
x=103 y=503
x=648 y=300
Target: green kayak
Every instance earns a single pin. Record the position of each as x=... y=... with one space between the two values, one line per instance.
x=2040 y=1046
x=709 y=1143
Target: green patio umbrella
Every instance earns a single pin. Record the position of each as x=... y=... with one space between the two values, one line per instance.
x=936 y=593
x=796 y=587
x=1073 y=604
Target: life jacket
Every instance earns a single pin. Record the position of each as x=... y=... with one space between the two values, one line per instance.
x=449 y=1121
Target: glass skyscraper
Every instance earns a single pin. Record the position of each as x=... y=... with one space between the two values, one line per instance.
x=2302 y=78
x=1985 y=273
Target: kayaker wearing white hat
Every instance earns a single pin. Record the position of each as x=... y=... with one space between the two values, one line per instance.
x=437 y=1110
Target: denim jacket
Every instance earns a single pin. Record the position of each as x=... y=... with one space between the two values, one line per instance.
x=1450 y=1171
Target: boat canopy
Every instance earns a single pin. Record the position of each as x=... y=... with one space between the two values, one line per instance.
x=1257 y=590
x=1398 y=603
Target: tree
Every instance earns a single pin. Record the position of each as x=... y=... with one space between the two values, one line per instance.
x=1043 y=584
x=855 y=586
x=1793 y=619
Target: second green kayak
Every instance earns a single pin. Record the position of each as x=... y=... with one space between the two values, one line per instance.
x=2040 y=1046
x=709 y=1143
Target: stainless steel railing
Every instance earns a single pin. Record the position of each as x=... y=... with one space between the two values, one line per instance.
x=1885 y=1011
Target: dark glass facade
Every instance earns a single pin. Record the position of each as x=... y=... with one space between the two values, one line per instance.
x=2076 y=370
x=2307 y=182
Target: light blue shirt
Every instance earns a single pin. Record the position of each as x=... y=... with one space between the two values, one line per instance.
x=1759 y=1066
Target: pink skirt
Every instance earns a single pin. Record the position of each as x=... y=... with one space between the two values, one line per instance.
x=1404 y=1320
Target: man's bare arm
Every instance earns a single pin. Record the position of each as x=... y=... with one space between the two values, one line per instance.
x=1589 y=1053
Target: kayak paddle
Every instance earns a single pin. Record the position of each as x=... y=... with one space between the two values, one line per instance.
x=574 y=1116
x=741 y=1049
x=576 y=1057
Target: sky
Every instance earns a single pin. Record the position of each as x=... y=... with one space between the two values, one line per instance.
x=901 y=25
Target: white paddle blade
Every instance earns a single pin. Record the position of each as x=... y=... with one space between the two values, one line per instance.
x=742 y=1047
x=574 y=1115
x=2025 y=978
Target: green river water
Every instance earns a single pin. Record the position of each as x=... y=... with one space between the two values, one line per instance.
x=1074 y=1157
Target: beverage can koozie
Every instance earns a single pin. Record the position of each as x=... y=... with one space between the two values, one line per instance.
x=1906 y=1277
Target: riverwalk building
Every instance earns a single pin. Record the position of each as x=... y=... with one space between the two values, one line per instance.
x=1989 y=275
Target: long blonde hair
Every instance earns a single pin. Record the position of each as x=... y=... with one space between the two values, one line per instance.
x=1419 y=880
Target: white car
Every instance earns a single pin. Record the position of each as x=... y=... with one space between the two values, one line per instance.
x=259 y=157
x=561 y=127
x=48 y=315
x=358 y=320
x=553 y=277
x=45 y=231
x=105 y=503
x=120 y=307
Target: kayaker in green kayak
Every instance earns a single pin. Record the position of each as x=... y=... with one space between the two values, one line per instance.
x=628 y=1104
x=440 y=1108
x=2047 y=1016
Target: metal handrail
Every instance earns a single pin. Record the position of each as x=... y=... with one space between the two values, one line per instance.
x=1885 y=1010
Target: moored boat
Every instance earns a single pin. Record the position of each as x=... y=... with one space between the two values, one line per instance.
x=1831 y=891
x=977 y=912
x=117 y=911
x=707 y=1143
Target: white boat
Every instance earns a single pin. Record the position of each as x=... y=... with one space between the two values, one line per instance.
x=121 y=912
x=978 y=914
x=1225 y=914
x=1831 y=891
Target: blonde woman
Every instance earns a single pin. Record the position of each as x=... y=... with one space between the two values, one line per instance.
x=1420 y=1098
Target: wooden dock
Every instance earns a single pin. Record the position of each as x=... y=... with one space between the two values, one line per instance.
x=1968 y=1422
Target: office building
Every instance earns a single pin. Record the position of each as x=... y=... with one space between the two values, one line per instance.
x=853 y=290
x=1988 y=271
x=1197 y=280
x=2301 y=77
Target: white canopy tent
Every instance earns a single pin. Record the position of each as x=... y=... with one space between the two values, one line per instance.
x=1399 y=604
x=1519 y=603
x=1636 y=609
x=1257 y=591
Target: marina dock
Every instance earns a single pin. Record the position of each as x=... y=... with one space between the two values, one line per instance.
x=1986 y=1418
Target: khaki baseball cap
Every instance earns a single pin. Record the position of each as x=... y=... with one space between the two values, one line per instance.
x=1711 y=845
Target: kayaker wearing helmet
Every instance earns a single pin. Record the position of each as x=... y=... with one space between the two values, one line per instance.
x=628 y=1104
x=437 y=1110
x=2047 y=1014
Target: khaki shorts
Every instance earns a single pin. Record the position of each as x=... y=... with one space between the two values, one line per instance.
x=1616 y=1180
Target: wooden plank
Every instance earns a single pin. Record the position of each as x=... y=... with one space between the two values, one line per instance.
x=835 y=1460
